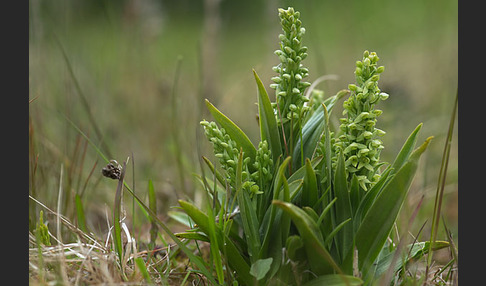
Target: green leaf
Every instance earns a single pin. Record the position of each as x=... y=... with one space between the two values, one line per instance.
x=143 y=269
x=193 y=236
x=268 y=123
x=378 y=221
x=320 y=260
x=181 y=217
x=309 y=191
x=235 y=133
x=218 y=175
x=406 y=149
x=260 y=268
x=116 y=215
x=80 y=213
x=300 y=173
x=335 y=280
x=153 y=208
x=327 y=166
x=413 y=252
x=235 y=259
x=344 y=239
x=294 y=245
x=214 y=245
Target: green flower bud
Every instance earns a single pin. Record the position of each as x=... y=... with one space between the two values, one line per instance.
x=375 y=78
x=276 y=79
x=352 y=87
x=384 y=96
x=366 y=62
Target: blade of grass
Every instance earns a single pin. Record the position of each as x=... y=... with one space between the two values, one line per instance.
x=175 y=128
x=153 y=208
x=441 y=181
x=116 y=216
x=84 y=100
x=143 y=269
x=59 y=196
x=214 y=247
x=80 y=213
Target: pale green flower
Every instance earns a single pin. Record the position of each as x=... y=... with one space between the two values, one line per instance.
x=289 y=85
x=358 y=140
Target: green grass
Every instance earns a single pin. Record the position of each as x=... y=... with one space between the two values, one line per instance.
x=125 y=76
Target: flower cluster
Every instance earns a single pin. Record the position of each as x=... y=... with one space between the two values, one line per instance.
x=227 y=152
x=289 y=84
x=263 y=165
x=359 y=141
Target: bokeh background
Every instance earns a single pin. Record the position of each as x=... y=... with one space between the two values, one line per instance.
x=133 y=76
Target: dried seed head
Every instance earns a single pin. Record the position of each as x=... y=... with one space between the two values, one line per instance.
x=112 y=170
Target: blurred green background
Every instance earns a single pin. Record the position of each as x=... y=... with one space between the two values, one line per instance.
x=145 y=67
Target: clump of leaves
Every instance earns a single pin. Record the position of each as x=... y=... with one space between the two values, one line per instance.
x=309 y=205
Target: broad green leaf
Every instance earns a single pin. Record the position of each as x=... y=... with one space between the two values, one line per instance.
x=355 y=194
x=192 y=236
x=370 y=197
x=300 y=173
x=260 y=268
x=295 y=188
x=309 y=190
x=413 y=252
x=335 y=280
x=320 y=260
x=234 y=132
x=268 y=123
x=378 y=221
x=344 y=239
x=406 y=149
x=181 y=217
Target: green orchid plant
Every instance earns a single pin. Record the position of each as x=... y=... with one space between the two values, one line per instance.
x=308 y=205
